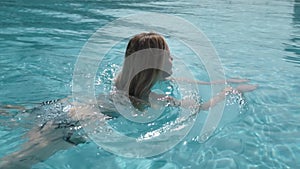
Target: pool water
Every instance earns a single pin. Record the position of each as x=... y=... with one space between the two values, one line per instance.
x=256 y=39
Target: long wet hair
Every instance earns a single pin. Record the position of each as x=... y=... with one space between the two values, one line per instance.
x=141 y=84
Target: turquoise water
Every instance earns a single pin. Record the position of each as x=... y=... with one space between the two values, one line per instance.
x=258 y=40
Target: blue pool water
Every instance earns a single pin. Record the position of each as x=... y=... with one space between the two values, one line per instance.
x=256 y=39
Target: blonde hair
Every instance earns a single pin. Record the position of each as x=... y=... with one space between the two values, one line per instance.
x=139 y=86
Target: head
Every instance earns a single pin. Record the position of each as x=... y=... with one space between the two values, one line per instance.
x=142 y=82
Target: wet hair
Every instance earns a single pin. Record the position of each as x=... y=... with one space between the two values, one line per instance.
x=141 y=84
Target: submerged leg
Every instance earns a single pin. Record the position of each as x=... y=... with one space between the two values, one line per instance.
x=15 y=107
x=41 y=144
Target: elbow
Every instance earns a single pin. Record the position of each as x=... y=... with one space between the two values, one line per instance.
x=205 y=106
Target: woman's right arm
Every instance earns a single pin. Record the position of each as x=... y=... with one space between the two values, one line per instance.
x=199 y=82
x=212 y=102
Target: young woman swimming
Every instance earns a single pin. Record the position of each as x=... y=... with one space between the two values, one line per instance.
x=56 y=119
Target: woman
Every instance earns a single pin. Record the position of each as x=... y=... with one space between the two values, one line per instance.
x=147 y=61
x=138 y=84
